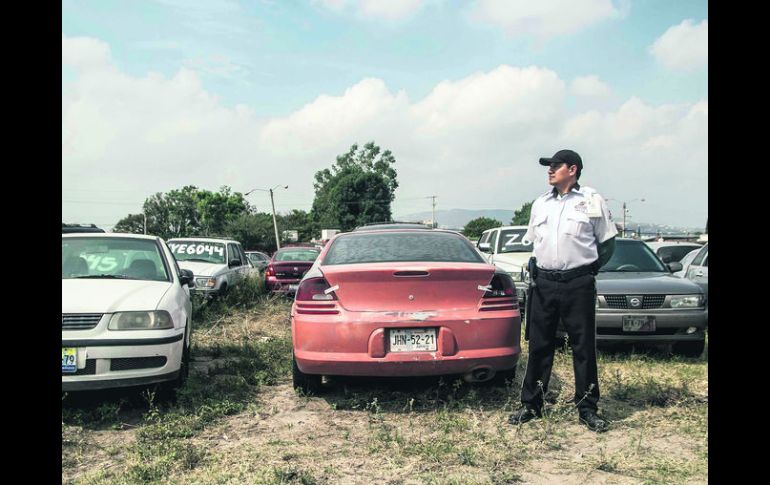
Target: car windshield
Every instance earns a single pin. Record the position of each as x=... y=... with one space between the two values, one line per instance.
x=112 y=258
x=401 y=246
x=511 y=241
x=255 y=257
x=296 y=254
x=633 y=256
x=204 y=252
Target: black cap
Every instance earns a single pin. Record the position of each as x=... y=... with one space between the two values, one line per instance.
x=567 y=156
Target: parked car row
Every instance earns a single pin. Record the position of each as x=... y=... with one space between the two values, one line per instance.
x=126 y=308
x=639 y=299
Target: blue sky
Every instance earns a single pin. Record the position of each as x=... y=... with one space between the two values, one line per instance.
x=271 y=70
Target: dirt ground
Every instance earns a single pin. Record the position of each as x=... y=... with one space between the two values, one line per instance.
x=361 y=431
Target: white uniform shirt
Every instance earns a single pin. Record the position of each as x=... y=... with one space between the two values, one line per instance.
x=566 y=230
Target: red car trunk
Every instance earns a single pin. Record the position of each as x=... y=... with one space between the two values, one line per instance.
x=290 y=270
x=408 y=286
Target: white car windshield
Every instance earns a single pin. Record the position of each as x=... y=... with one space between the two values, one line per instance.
x=112 y=258
x=511 y=241
x=204 y=252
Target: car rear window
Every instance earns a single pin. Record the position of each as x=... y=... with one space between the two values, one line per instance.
x=398 y=247
x=296 y=255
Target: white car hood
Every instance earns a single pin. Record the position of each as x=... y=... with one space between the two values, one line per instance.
x=202 y=269
x=108 y=296
x=512 y=261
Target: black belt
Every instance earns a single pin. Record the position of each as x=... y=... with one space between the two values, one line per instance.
x=565 y=275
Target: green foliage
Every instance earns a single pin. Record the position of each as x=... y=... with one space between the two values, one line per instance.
x=475 y=227
x=253 y=231
x=521 y=216
x=186 y=212
x=131 y=224
x=357 y=190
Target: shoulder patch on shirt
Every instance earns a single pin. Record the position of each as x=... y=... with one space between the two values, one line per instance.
x=581 y=206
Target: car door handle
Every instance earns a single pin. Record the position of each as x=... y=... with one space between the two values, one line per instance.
x=699 y=273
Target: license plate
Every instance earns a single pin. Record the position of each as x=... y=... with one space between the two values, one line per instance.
x=293 y=287
x=69 y=359
x=638 y=324
x=412 y=339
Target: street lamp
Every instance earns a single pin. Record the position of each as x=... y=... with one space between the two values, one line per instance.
x=625 y=210
x=275 y=224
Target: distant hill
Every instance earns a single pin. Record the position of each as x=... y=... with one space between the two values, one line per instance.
x=458 y=218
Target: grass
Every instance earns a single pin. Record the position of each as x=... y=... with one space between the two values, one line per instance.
x=238 y=421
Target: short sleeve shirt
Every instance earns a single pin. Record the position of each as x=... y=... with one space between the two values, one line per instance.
x=566 y=230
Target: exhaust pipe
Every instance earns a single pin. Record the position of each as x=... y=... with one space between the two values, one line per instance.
x=479 y=374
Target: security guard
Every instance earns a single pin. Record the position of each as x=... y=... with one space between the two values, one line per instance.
x=573 y=237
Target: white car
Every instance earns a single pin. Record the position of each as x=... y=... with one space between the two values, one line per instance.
x=126 y=312
x=503 y=247
x=218 y=264
x=672 y=251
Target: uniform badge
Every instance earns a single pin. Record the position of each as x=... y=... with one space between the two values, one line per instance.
x=581 y=206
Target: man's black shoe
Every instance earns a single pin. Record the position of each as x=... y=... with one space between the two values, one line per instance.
x=523 y=415
x=593 y=422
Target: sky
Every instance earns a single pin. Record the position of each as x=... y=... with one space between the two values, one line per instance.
x=467 y=95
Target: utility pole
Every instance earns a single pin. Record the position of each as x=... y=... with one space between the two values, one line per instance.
x=145 y=222
x=272 y=203
x=433 y=218
x=275 y=224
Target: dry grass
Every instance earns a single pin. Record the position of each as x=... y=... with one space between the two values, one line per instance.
x=241 y=422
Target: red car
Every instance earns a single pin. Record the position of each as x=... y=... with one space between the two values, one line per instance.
x=287 y=267
x=403 y=302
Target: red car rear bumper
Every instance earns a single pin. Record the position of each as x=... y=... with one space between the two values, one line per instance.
x=357 y=343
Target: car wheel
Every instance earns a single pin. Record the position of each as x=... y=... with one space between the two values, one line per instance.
x=689 y=349
x=307 y=383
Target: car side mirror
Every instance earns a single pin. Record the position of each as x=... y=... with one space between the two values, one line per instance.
x=234 y=262
x=186 y=277
x=485 y=247
x=675 y=266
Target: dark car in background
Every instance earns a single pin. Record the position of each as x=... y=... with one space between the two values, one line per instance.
x=259 y=259
x=287 y=267
x=77 y=228
x=640 y=301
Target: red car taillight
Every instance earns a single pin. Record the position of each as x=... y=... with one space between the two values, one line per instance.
x=312 y=297
x=269 y=271
x=501 y=295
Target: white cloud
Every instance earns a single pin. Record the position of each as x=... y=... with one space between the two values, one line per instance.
x=683 y=47
x=376 y=9
x=589 y=86
x=84 y=52
x=544 y=19
x=474 y=142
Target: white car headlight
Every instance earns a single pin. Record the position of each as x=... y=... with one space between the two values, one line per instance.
x=206 y=282
x=686 y=301
x=157 y=320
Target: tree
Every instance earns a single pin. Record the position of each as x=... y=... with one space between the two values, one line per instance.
x=190 y=211
x=521 y=216
x=299 y=221
x=131 y=224
x=216 y=209
x=357 y=190
x=475 y=227
x=253 y=231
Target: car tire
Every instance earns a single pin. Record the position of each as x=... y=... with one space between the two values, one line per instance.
x=689 y=349
x=307 y=383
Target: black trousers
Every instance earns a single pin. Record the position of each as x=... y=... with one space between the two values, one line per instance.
x=574 y=303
